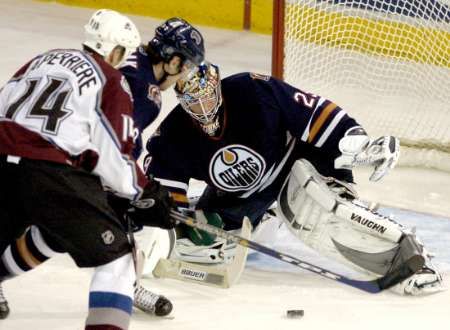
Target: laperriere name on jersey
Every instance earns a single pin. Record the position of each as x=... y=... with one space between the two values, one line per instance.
x=82 y=68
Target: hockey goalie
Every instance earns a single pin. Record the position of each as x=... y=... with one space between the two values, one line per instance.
x=255 y=140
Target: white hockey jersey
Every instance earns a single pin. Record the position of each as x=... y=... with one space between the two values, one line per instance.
x=70 y=107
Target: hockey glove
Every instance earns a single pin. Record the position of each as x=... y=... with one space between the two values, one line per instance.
x=153 y=209
x=357 y=149
x=200 y=237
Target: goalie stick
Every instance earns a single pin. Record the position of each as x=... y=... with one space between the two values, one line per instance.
x=371 y=286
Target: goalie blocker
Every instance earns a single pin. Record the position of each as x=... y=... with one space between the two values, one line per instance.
x=326 y=215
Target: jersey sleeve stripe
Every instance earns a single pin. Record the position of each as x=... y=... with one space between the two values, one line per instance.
x=316 y=109
x=178 y=191
x=320 y=121
x=330 y=128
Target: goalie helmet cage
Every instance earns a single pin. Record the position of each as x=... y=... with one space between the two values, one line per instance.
x=386 y=62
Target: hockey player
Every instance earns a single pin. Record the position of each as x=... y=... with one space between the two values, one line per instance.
x=248 y=136
x=66 y=131
x=176 y=48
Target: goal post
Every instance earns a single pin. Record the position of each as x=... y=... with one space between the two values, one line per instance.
x=386 y=62
x=278 y=38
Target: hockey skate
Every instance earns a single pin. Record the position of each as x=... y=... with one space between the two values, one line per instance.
x=426 y=281
x=4 y=309
x=151 y=303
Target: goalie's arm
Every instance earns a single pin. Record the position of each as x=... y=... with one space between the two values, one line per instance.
x=324 y=125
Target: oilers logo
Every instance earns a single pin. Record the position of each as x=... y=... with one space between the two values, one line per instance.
x=236 y=167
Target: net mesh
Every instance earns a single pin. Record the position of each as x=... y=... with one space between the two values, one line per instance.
x=387 y=62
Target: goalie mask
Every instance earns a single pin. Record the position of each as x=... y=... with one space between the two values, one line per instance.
x=199 y=94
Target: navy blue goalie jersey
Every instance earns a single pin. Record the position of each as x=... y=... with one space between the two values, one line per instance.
x=265 y=125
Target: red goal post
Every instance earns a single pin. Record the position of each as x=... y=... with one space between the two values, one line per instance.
x=278 y=38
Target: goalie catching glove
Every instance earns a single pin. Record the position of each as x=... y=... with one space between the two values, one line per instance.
x=357 y=149
x=153 y=209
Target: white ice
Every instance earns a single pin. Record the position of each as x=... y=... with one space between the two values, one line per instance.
x=54 y=296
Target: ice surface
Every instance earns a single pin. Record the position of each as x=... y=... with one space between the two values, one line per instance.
x=54 y=296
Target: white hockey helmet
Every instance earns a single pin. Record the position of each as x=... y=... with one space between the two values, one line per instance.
x=200 y=95
x=107 y=29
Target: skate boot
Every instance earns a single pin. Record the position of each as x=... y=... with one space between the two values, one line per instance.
x=428 y=280
x=151 y=303
x=4 y=309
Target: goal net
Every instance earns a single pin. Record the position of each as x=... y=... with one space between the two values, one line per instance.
x=386 y=62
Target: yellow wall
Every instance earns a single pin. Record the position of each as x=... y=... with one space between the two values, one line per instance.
x=262 y=16
x=227 y=14
x=376 y=37
x=325 y=28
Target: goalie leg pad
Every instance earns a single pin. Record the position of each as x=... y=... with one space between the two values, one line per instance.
x=325 y=215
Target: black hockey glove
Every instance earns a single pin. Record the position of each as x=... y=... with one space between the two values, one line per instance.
x=153 y=209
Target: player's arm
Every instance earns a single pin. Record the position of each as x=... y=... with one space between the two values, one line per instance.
x=113 y=135
x=323 y=124
x=166 y=190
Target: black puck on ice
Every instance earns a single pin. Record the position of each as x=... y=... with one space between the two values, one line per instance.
x=295 y=313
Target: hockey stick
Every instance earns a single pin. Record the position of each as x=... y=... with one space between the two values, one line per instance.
x=371 y=286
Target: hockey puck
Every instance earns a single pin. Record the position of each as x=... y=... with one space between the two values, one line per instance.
x=295 y=313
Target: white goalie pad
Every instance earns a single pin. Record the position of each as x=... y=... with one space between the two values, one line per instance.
x=326 y=215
